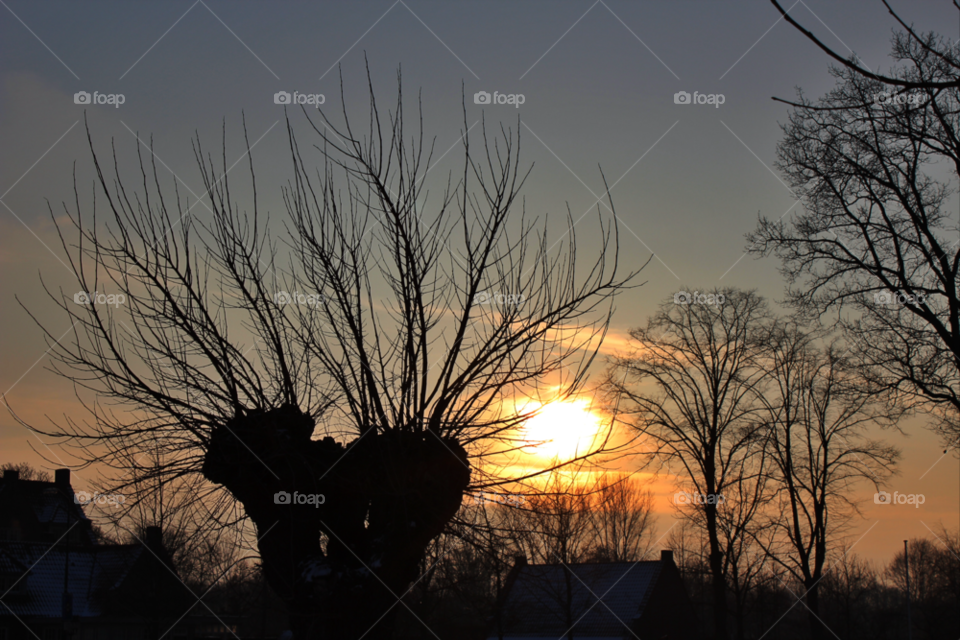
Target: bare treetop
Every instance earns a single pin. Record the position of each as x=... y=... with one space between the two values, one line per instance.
x=368 y=356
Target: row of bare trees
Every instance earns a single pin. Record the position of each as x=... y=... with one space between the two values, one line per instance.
x=769 y=426
x=600 y=518
x=740 y=400
x=860 y=599
x=576 y=517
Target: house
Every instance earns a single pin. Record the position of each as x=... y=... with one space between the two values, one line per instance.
x=42 y=512
x=595 y=601
x=58 y=582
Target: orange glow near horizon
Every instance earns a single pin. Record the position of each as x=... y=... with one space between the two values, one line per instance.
x=561 y=429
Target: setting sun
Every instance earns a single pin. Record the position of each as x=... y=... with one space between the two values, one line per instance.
x=562 y=429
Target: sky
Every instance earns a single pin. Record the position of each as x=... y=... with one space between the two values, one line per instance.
x=600 y=84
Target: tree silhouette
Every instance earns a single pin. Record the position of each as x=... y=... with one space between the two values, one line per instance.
x=875 y=245
x=369 y=357
x=819 y=411
x=692 y=386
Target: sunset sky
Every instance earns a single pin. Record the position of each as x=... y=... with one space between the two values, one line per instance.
x=598 y=81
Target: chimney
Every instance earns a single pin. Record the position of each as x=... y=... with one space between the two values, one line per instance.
x=61 y=478
x=153 y=538
x=11 y=475
x=666 y=555
x=519 y=562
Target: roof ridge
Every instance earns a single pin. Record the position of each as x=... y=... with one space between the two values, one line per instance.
x=128 y=566
x=623 y=587
x=653 y=585
x=581 y=564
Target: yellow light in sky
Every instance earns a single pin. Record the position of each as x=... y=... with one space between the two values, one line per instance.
x=562 y=429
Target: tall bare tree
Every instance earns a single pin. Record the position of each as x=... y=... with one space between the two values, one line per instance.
x=820 y=412
x=692 y=386
x=875 y=246
x=366 y=359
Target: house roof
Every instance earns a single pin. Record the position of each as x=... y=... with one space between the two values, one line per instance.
x=40 y=511
x=37 y=556
x=596 y=600
x=93 y=573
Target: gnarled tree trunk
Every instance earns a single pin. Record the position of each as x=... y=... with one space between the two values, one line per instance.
x=385 y=496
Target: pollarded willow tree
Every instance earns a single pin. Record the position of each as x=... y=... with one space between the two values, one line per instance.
x=369 y=357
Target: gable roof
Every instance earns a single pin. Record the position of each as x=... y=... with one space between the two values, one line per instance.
x=40 y=511
x=93 y=573
x=46 y=540
x=595 y=600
